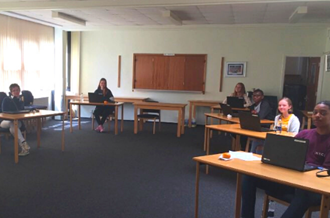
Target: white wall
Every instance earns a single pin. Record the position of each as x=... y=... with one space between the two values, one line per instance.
x=264 y=49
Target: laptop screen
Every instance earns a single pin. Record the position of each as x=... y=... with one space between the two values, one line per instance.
x=235 y=102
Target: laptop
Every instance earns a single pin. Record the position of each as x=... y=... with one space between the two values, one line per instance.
x=226 y=109
x=96 y=98
x=17 y=112
x=251 y=121
x=235 y=102
x=287 y=152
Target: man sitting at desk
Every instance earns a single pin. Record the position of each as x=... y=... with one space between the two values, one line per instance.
x=15 y=103
x=318 y=154
x=260 y=106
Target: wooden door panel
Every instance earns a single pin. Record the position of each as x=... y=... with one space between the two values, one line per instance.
x=194 y=72
x=143 y=71
x=176 y=73
x=160 y=80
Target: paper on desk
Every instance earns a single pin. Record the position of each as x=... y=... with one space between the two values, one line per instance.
x=243 y=156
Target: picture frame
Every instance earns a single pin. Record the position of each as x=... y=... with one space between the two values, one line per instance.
x=235 y=69
x=327 y=63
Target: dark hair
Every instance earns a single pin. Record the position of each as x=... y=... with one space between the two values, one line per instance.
x=259 y=90
x=289 y=102
x=14 y=85
x=106 y=87
x=327 y=103
x=243 y=89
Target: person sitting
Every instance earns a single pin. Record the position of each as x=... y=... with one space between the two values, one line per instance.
x=318 y=154
x=103 y=111
x=15 y=103
x=261 y=107
x=289 y=122
x=240 y=92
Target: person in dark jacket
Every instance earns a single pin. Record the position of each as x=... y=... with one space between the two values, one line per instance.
x=14 y=103
x=103 y=111
x=261 y=107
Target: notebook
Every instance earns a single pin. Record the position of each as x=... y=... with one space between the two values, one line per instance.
x=226 y=109
x=94 y=97
x=251 y=121
x=235 y=102
x=17 y=112
x=287 y=152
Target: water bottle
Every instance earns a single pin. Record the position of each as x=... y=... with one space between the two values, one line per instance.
x=81 y=97
x=271 y=209
x=279 y=126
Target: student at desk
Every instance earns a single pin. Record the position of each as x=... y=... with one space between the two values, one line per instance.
x=15 y=103
x=318 y=154
x=289 y=123
x=103 y=111
x=260 y=106
x=240 y=92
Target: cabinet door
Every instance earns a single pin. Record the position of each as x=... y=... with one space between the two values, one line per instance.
x=143 y=71
x=176 y=73
x=160 y=79
x=194 y=74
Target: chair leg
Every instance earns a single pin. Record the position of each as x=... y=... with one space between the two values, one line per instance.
x=265 y=207
x=160 y=121
x=154 y=127
x=247 y=147
x=0 y=145
x=93 y=122
x=308 y=213
x=109 y=123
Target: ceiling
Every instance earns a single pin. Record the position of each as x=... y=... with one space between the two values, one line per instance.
x=150 y=13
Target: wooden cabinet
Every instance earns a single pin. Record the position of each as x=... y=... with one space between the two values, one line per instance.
x=182 y=72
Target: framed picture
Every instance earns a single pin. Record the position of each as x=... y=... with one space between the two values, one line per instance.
x=327 y=62
x=235 y=69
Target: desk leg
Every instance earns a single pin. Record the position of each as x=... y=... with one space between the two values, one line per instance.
x=206 y=119
x=324 y=208
x=207 y=148
x=190 y=114
x=238 y=196
x=135 y=120
x=182 y=121
x=116 y=119
x=63 y=133
x=303 y=123
x=79 y=116
x=238 y=143
x=309 y=123
x=16 y=141
x=71 y=117
x=122 y=118
x=178 y=132
x=197 y=189
x=38 y=131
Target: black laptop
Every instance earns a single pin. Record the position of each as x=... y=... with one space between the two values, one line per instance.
x=226 y=109
x=94 y=97
x=251 y=121
x=235 y=102
x=17 y=112
x=287 y=152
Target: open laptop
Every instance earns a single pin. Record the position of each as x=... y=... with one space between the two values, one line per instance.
x=17 y=112
x=235 y=102
x=287 y=152
x=226 y=109
x=94 y=97
x=251 y=121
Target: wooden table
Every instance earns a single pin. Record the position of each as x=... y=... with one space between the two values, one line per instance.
x=117 y=99
x=161 y=106
x=218 y=107
x=222 y=117
x=308 y=115
x=303 y=180
x=38 y=116
x=201 y=103
x=116 y=105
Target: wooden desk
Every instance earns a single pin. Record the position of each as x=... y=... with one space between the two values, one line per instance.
x=161 y=106
x=116 y=104
x=218 y=107
x=307 y=180
x=308 y=115
x=202 y=103
x=118 y=99
x=221 y=117
x=38 y=116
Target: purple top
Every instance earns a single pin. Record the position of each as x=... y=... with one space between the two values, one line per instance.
x=319 y=148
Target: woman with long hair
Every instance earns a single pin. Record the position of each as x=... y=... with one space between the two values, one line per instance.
x=240 y=92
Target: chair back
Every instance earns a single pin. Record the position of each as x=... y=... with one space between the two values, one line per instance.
x=151 y=111
x=2 y=96
x=272 y=100
x=28 y=97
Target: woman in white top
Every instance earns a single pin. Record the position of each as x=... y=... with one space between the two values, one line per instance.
x=240 y=92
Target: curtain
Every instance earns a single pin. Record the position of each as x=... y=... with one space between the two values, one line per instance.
x=26 y=55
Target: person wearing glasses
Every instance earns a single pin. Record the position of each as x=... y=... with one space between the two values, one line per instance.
x=318 y=154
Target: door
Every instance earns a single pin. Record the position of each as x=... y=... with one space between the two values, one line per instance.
x=312 y=81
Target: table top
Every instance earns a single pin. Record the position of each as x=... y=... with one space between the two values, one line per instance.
x=117 y=98
x=233 y=119
x=96 y=103
x=158 y=105
x=40 y=113
x=304 y=180
x=218 y=107
x=235 y=128
x=205 y=101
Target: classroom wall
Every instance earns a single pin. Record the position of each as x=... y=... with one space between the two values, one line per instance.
x=263 y=48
